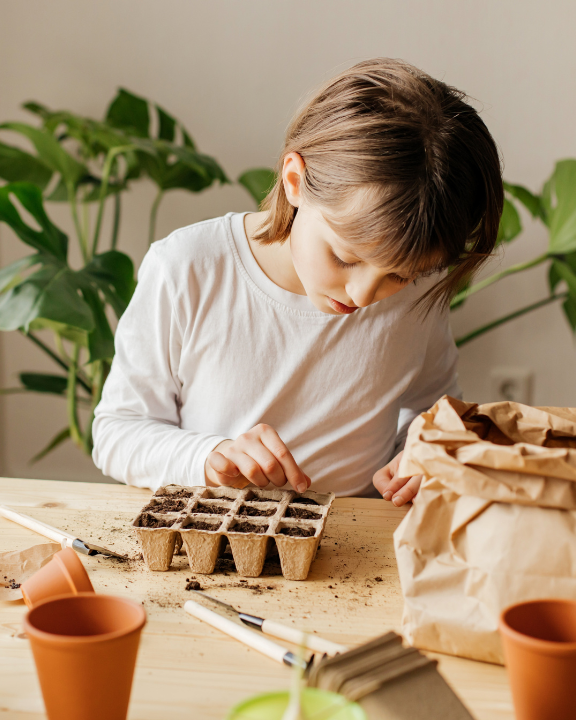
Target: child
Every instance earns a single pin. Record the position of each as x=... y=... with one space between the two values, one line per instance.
x=295 y=345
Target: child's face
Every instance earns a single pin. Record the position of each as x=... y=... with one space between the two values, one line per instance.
x=336 y=281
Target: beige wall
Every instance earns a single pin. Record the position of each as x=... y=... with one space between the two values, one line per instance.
x=234 y=71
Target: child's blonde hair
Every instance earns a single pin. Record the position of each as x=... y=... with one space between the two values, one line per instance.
x=427 y=169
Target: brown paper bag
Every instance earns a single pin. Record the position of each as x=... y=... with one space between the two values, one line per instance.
x=494 y=522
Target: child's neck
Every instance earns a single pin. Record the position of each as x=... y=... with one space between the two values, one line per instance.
x=275 y=260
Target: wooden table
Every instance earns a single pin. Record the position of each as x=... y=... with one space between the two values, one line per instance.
x=188 y=670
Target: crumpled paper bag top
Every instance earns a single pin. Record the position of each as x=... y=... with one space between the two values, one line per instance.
x=17 y=566
x=505 y=452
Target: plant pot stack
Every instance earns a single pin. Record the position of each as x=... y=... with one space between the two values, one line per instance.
x=203 y=519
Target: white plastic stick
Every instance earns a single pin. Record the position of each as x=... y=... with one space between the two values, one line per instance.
x=243 y=634
x=313 y=642
x=64 y=538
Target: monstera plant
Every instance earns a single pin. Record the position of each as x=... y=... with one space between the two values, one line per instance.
x=555 y=207
x=87 y=164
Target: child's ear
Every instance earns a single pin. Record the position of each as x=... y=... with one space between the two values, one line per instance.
x=292 y=176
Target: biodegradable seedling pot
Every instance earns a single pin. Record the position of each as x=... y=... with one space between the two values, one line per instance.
x=63 y=575
x=313 y=702
x=251 y=520
x=85 y=648
x=539 y=639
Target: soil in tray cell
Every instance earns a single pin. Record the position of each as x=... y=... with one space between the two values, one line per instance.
x=256 y=511
x=200 y=525
x=303 y=501
x=149 y=521
x=295 y=512
x=298 y=531
x=210 y=509
x=178 y=494
x=262 y=500
x=248 y=527
x=168 y=505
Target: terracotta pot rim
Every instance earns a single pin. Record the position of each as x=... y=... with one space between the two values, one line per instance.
x=55 y=638
x=555 y=647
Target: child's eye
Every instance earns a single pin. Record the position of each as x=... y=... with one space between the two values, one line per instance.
x=341 y=263
x=397 y=279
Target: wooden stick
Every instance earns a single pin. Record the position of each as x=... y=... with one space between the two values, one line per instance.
x=314 y=642
x=253 y=639
x=64 y=538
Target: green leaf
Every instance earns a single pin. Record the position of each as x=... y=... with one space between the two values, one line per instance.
x=49 y=293
x=56 y=440
x=258 y=182
x=569 y=307
x=17 y=165
x=79 y=337
x=530 y=201
x=44 y=383
x=167 y=125
x=10 y=275
x=50 y=239
x=50 y=151
x=560 y=199
x=510 y=225
x=112 y=269
x=129 y=112
x=101 y=339
x=561 y=270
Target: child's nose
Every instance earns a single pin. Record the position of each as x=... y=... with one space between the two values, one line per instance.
x=362 y=295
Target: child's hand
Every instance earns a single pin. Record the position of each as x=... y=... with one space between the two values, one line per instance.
x=258 y=455
x=391 y=487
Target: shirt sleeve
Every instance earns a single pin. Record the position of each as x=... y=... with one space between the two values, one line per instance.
x=137 y=435
x=437 y=377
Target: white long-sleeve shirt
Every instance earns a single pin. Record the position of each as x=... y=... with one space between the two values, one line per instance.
x=209 y=347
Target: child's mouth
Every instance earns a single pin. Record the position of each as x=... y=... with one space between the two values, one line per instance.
x=340 y=307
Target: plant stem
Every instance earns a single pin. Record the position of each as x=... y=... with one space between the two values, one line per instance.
x=103 y=189
x=71 y=406
x=96 y=395
x=54 y=357
x=498 y=276
x=153 y=213
x=496 y=323
x=74 y=209
x=116 y=224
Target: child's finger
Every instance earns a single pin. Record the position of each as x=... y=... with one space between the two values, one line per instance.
x=269 y=465
x=249 y=468
x=222 y=465
x=395 y=484
x=408 y=492
x=382 y=479
x=294 y=475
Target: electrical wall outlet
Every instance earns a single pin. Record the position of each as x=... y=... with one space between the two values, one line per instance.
x=515 y=384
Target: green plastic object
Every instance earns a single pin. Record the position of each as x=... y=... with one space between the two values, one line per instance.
x=316 y=705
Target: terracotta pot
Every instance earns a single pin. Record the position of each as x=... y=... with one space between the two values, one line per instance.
x=539 y=640
x=63 y=575
x=85 y=648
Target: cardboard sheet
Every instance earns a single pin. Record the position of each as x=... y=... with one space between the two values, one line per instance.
x=17 y=566
x=494 y=522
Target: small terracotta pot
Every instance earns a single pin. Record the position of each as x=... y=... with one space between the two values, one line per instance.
x=539 y=640
x=63 y=575
x=85 y=649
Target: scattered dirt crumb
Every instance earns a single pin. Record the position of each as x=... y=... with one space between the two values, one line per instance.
x=193 y=585
x=378 y=579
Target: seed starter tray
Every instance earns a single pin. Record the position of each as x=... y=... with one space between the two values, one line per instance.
x=203 y=519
